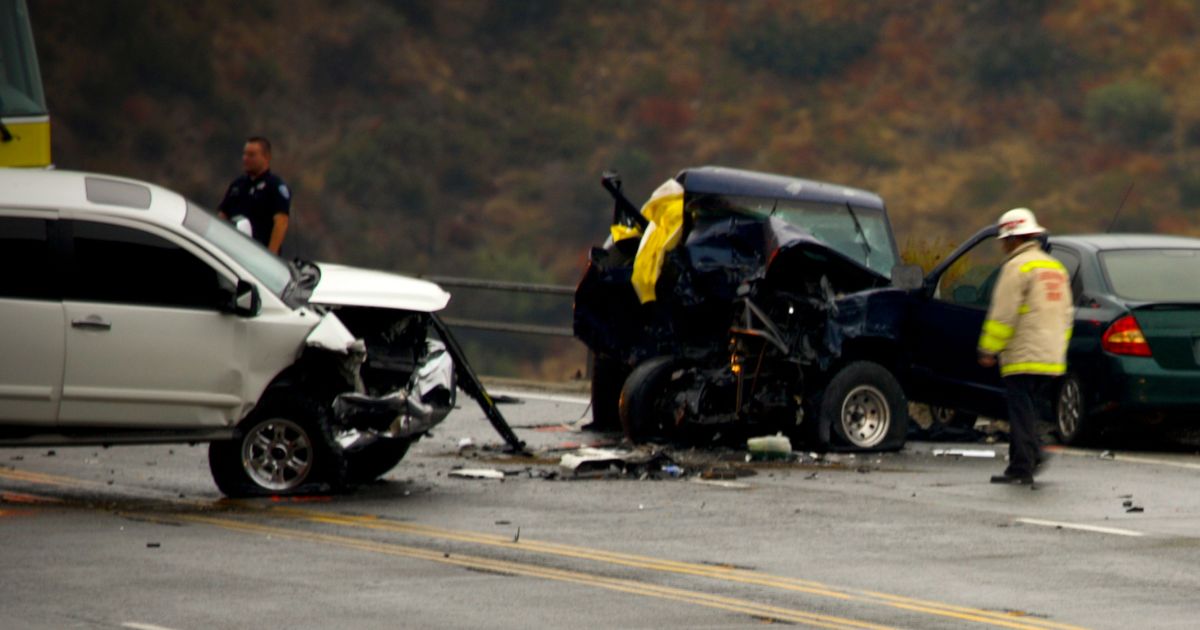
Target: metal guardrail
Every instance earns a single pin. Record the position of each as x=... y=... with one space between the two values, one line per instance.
x=508 y=287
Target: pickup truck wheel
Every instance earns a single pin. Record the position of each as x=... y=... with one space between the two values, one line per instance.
x=608 y=377
x=866 y=407
x=283 y=447
x=643 y=408
x=1071 y=423
x=375 y=460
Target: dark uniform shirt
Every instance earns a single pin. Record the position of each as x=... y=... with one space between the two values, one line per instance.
x=259 y=200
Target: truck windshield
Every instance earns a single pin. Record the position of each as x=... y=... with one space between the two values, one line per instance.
x=20 y=80
x=249 y=253
x=1154 y=275
x=832 y=223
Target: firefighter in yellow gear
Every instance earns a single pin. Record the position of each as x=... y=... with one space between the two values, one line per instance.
x=1026 y=331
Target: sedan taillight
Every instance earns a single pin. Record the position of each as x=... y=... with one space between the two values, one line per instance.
x=1125 y=337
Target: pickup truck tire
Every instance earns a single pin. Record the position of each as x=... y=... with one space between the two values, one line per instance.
x=283 y=447
x=608 y=377
x=866 y=408
x=1072 y=425
x=643 y=412
x=375 y=460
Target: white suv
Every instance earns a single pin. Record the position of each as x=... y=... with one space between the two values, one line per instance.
x=130 y=315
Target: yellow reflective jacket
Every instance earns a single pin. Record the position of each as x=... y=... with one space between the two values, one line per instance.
x=1031 y=317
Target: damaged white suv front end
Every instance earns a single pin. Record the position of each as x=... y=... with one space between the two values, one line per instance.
x=144 y=318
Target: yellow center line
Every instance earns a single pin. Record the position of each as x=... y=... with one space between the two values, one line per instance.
x=721 y=602
x=673 y=566
x=933 y=608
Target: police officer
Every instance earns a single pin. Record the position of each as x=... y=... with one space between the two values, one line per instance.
x=259 y=201
x=1027 y=328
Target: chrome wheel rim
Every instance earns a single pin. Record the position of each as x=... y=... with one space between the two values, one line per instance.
x=277 y=454
x=1070 y=408
x=866 y=416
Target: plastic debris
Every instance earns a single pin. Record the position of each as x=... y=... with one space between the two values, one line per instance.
x=476 y=473
x=776 y=446
x=964 y=452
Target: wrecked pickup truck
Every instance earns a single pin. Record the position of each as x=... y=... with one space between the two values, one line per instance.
x=737 y=301
x=130 y=315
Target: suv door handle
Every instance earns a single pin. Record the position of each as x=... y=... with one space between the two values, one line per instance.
x=92 y=322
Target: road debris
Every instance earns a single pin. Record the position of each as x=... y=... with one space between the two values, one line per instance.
x=964 y=452
x=776 y=446
x=642 y=463
x=476 y=473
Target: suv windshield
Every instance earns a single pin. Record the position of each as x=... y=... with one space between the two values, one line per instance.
x=861 y=234
x=1154 y=275
x=272 y=272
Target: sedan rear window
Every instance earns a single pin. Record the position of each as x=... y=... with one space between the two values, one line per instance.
x=1154 y=275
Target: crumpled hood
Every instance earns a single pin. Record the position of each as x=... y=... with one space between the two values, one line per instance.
x=349 y=286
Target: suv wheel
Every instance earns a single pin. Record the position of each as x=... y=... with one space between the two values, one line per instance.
x=283 y=447
x=866 y=407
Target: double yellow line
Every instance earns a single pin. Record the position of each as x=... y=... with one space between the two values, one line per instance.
x=727 y=574
x=529 y=570
x=648 y=563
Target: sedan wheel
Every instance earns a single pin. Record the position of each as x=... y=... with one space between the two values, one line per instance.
x=1073 y=425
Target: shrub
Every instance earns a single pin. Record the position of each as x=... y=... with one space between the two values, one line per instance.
x=802 y=49
x=1133 y=112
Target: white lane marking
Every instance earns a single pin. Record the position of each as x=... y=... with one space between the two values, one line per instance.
x=1132 y=459
x=1086 y=528
x=574 y=400
x=133 y=625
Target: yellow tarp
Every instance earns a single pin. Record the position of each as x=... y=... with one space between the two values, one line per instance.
x=664 y=210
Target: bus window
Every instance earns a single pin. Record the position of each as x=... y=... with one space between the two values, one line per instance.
x=20 y=81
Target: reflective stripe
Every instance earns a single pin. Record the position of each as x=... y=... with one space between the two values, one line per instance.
x=1070 y=330
x=995 y=336
x=1033 y=368
x=1023 y=310
x=990 y=344
x=998 y=329
x=1043 y=264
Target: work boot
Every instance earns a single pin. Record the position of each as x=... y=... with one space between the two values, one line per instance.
x=1015 y=480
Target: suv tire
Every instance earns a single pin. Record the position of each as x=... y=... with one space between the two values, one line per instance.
x=375 y=460
x=283 y=447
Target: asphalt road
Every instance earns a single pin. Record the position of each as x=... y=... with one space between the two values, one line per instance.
x=138 y=537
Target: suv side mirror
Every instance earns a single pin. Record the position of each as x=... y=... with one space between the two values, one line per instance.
x=244 y=302
x=908 y=277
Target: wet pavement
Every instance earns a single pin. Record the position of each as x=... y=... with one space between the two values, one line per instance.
x=138 y=537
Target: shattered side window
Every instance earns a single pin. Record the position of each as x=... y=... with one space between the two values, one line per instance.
x=862 y=234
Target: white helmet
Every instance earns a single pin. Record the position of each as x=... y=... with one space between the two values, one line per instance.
x=1018 y=222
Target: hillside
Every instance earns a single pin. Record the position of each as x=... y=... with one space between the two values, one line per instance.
x=466 y=137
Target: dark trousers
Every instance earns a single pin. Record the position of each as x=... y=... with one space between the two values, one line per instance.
x=1026 y=401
